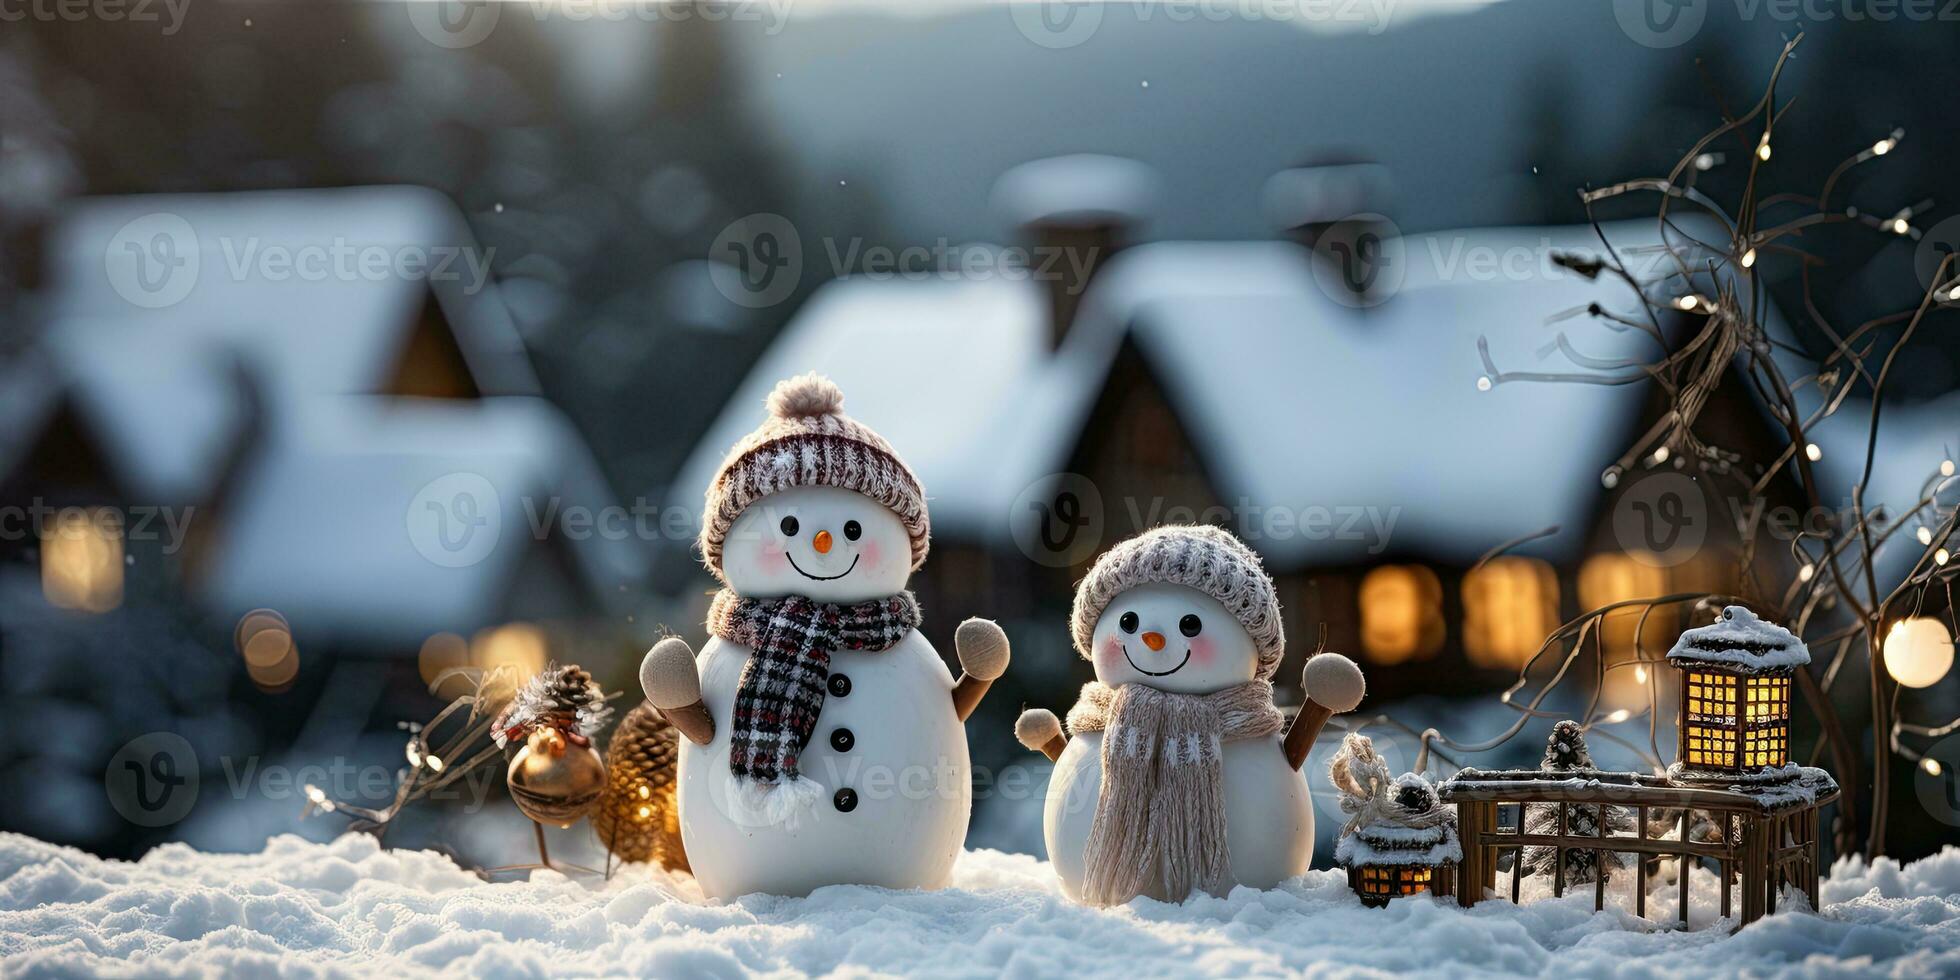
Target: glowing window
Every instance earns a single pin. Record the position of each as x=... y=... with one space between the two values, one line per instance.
x=82 y=560
x=1510 y=607
x=1401 y=614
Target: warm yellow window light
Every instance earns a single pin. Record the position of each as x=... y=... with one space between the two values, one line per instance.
x=82 y=560
x=519 y=646
x=1401 y=614
x=1510 y=607
x=1612 y=576
x=1918 y=651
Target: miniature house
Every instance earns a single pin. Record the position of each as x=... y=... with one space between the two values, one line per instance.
x=1735 y=694
x=1388 y=858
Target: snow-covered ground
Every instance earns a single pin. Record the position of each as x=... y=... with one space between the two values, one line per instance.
x=299 y=908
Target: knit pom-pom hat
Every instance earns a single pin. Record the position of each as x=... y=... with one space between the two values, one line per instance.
x=1197 y=556
x=808 y=441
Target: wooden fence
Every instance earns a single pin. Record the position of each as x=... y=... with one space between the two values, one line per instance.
x=1763 y=841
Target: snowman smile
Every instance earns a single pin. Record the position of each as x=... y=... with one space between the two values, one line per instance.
x=1155 y=673
x=824 y=578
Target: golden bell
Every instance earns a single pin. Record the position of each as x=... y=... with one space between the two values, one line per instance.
x=553 y=781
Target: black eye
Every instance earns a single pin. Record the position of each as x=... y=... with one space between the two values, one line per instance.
x=789 y=526
x=852 y=530
x=1190 y=625
x=1128 y=622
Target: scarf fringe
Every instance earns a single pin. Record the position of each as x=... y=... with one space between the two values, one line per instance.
x=1159 y=827
x=779 y=804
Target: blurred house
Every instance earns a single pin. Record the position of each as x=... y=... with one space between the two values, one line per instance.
x=1345 y=435
x=282 y=373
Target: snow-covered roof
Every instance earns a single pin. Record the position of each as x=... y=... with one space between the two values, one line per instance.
x=1390 y=843
x=1292 y=398
x=336 y=526
x=1742 y=640
x=284 y=282
x=1078 y=189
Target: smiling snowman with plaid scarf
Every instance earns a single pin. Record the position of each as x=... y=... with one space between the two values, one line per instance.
x=825 y=737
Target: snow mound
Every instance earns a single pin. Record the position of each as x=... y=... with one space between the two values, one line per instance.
x=349 y=908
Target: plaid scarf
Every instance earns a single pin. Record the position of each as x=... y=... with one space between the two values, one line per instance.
x=1160 y=818
x=783 y=686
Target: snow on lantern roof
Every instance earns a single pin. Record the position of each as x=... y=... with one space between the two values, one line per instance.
x=315 y=291
x=1389 y=843
x=1742 y=640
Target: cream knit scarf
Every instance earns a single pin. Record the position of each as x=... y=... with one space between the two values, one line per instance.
x=1160 y=818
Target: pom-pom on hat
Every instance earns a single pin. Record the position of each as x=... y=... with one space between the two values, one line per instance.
x=1196 y=556
x=808 y=441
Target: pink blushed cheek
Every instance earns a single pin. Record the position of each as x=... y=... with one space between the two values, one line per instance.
x=771 y=558
x=1203 y=652
x=873 y=555
x=1110 y=652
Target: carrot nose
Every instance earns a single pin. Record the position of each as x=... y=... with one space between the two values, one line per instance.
x=821 y=542
x=1154 y=641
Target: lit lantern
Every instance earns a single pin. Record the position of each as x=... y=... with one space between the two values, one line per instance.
x=1918 y=651
x=82 y=560
x=1735 y=694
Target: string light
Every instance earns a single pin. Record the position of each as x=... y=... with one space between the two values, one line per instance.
x=1946 y=465
x=1640 y=673
x=1661 y=454
x=1931 y=765
x=1762 y=148
x=1925 y=534
x=1749 y=259
x=1940 y=557
x=1483 y=383
x=1900 y=226
x=1804 y=574
x=1618 y=716
x=1884 y=146
x=1814 y=451
x=434 y=763
x=1692 y=301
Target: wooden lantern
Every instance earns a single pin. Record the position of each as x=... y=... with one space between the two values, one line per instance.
x=1736 y=673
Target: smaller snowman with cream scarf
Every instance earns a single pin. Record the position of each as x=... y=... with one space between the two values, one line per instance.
x=1179 y=778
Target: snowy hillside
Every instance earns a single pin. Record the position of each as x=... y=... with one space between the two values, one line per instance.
x=349 y=908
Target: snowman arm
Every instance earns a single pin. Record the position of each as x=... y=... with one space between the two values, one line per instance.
x=983 y=652
x=1334 y=685
x=673 y=686
x=1040 y=730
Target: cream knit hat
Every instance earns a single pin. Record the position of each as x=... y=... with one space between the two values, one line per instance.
x=1197 y=556
x=808 y=441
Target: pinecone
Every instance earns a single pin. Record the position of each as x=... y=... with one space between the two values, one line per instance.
x=637 y=819
x=1565 y=752
x=565 y=698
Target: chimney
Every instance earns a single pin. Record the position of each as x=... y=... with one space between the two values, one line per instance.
x=1337 y=209
x=1075 y=212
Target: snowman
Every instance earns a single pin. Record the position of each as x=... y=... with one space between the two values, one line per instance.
x=825 y=739
x=1179 y=779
